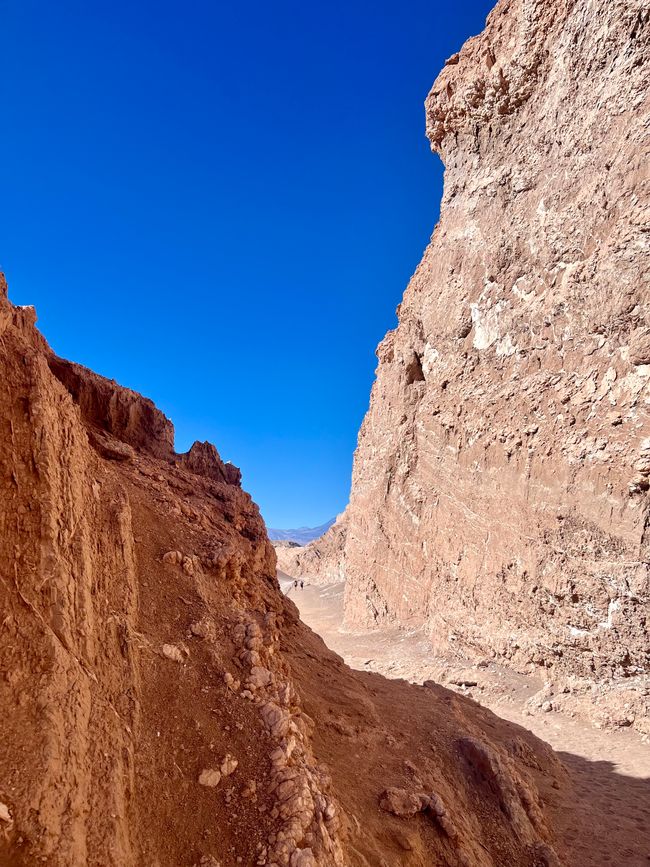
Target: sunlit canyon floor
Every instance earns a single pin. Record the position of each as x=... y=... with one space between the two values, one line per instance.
x=610 y=768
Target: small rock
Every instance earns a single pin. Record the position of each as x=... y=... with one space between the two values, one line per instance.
x=230 y=682
x=210 y=777
x=174 y=557
x=259 y=677
x=250 y=789
x=172 y=652
x=228 y=765
x=302 y=858
x=278 y=757
x=399 y=802
x=110 y=448
x=462 y=680
x=5 y=815
x=547 y=707
x=199 y=629
x=250 y=657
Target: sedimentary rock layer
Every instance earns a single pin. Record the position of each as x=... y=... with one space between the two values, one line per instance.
x=500 y=485
x=161 y=702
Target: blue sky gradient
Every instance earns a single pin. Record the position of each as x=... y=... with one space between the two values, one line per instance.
x=220 y=205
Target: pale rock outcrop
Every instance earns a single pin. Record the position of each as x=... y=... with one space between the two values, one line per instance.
x=321 y=561
x=500 y=484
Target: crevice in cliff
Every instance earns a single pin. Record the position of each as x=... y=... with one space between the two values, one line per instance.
x=413 y=369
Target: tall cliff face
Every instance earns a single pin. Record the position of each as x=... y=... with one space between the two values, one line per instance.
x=500 y=486
x=161 y=702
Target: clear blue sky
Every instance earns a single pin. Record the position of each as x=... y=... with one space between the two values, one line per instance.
x=220 y=205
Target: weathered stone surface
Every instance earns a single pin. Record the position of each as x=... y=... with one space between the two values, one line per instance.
x=203 y=459
x=210 y=777
x=138 y=597
x=108 y=447
x=105 y=563
x=500 y=483
x=401 y=802
x=120 y=412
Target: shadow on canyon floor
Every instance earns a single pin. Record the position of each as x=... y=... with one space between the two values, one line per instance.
x=616 y=810
x=609 y=824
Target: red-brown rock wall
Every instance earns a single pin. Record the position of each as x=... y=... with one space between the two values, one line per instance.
x=162 y=703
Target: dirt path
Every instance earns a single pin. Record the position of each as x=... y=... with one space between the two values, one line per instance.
x=610 y=768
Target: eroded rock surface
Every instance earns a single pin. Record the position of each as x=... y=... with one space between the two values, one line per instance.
x=500 y=485
x=163 y=704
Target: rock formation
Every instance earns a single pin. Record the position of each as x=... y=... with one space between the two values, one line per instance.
x=162 y=704
x=319 y=562
x=500 y=484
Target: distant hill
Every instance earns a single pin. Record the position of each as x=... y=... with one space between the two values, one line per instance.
x=322 y=561
x=301 y=536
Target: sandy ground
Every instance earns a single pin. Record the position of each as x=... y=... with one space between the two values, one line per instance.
x=610 y=768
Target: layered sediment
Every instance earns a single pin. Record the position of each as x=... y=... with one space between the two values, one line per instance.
x=500 y=484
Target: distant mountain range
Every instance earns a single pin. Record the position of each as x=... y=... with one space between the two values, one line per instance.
x=301 y=536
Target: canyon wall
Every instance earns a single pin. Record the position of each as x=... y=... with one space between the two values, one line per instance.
x=162 y=704
x=500 y=484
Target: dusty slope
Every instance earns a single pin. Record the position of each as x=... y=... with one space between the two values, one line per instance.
x=321 y=561
x=162 y=703
x=610 y=770
x=500 y=486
